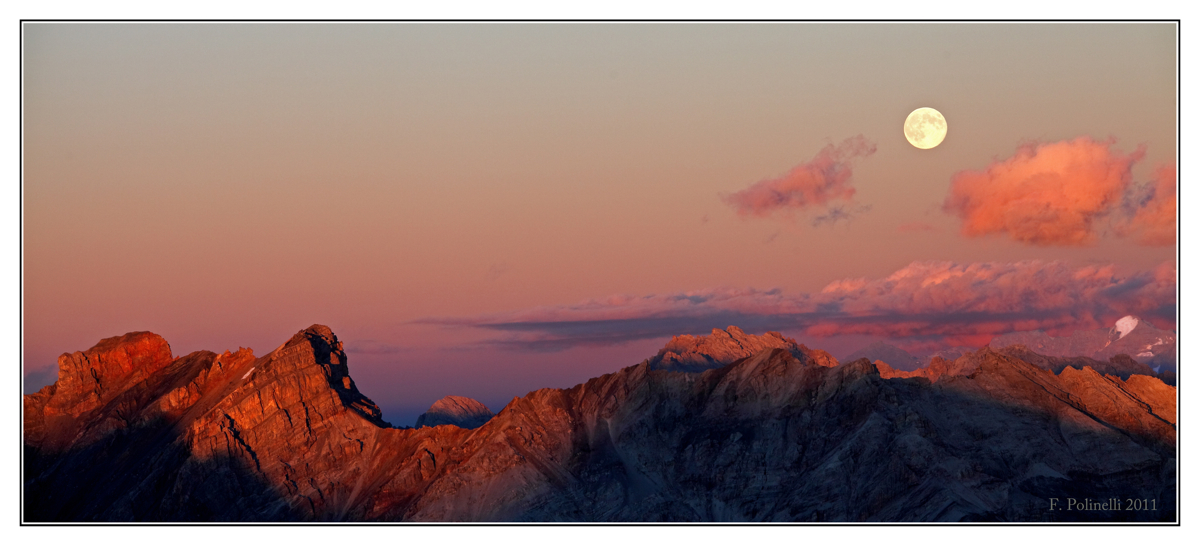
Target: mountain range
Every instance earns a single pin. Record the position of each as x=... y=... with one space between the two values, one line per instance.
x=1105 y=349
x=1129 y=335
x=726 y=427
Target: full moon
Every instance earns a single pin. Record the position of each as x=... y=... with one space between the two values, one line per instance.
x=925 y=128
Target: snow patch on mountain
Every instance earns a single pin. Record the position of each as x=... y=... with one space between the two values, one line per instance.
x=1125 y=325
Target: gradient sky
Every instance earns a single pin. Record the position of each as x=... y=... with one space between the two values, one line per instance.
x=487 y=209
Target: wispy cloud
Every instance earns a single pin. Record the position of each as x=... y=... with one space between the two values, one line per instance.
x=840 y=213
x=824 y=178
x=939 y=302
x=1150 y=210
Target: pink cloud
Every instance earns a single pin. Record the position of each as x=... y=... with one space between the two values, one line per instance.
x=967 y=304
x=935 y=303
x=824 y=178
x=1045 y=194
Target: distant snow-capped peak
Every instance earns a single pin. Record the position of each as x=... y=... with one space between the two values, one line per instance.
x=1125 y=325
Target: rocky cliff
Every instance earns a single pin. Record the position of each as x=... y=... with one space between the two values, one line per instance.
x=129 y=433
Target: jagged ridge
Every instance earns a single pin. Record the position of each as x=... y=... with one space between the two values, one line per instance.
x=769 y=437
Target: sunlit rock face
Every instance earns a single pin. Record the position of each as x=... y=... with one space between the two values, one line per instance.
x=772 y=436
x=459 y=411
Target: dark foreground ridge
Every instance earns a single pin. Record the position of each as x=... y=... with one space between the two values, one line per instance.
x=130 y=433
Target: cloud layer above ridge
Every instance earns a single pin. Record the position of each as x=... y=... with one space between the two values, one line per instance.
x=928 y=303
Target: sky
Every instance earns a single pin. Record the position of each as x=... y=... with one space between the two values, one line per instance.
x=487 y=209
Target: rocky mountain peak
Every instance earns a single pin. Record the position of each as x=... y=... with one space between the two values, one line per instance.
x=687 y=353
x=91 y=378
x=317 y=336
x=318 y=344
x=459 y=411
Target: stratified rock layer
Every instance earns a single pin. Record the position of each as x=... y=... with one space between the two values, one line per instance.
x=769 y=437
x=459 y=411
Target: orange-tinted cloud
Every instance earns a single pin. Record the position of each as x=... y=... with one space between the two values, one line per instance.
x=824 y=178
x=931 y=303
x=1045 y=194
x=1153 y=221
